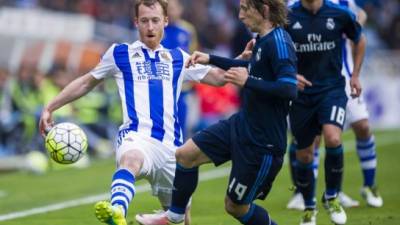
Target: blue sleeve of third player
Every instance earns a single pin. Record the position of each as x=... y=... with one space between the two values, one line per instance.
x=271 y=88
x=226 y=64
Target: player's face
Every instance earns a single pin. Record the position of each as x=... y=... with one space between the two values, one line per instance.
x=150 y=22
x=250 y=16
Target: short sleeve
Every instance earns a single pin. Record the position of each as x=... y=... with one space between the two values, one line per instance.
x=196 y=72
x=283 y=57
x=352 y=28
x=106 y=67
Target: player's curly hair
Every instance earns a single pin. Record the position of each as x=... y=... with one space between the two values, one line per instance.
x=277 y=10
x=163 y=3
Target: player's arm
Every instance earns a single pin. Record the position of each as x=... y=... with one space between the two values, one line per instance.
x=221 y=62
x=282 y=88
x=214 y=77
x=248 y=50
x=358 y=56
x=353 y=31
x=74 y=90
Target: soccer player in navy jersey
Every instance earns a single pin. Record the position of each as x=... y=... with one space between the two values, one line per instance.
x=149 y=79
x=317 y=28
x=254 y=138
x=357 y=118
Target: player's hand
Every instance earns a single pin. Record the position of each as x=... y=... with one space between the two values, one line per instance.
x=355 y=87
x=302 y=82
x=237 y=76
x=197 y=57
x=248 y=51
x=46 y=122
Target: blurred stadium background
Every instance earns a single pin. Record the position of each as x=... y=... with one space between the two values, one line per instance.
x=44 y=44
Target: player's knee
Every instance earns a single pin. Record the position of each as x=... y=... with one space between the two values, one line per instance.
x=184 y=159
x=333 y=140
x=361 y=129
x=234 y=209
x=305 y=156
x=132 y=160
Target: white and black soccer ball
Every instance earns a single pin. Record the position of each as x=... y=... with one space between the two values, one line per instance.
x=66 y=143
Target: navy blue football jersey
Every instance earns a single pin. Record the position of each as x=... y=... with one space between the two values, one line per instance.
x=262 y=117
x=318 y=40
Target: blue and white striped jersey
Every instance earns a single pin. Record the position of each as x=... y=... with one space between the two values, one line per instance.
x=149 y=84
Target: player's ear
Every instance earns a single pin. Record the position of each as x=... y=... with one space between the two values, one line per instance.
x=136 y=21
x=265 y=11
x=166 y=20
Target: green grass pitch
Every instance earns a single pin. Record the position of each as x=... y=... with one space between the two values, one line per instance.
x=21 y=191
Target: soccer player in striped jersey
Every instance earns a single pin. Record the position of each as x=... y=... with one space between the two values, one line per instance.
x=149 y=79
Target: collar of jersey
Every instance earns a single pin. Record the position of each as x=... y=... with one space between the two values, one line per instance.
x=138 y=44
x=319 y=10
x=260 y=38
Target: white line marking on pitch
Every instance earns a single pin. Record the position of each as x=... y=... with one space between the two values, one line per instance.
x=204 y=176
x=209 y=175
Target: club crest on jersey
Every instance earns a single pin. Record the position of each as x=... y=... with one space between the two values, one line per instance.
x=258 y=54
x=164 y=55
x=330 y=24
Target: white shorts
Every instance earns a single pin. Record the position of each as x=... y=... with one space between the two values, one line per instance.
x=158 y=166
x=356 y=110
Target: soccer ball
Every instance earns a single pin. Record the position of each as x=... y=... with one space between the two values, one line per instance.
x=66 y=143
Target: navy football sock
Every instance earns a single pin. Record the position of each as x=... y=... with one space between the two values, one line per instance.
x=306 y=183
x=333 y=171
x=185 y=184
x=256 y=216
x=292 y=163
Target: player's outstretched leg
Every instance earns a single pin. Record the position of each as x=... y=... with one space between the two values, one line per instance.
x=112 y=215
x=122 y=193
x=185 y=183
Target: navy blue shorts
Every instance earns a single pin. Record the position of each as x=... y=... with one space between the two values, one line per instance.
x=253 y=169
x=308 y=113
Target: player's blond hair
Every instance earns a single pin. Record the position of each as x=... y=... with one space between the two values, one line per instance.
x=148 y=3
x=277 y=10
